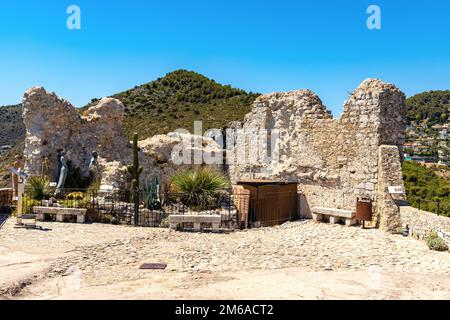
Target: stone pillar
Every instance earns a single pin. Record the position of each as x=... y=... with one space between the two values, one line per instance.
x=389 y=174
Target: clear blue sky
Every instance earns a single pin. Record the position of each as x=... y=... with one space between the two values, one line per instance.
x=263 y=46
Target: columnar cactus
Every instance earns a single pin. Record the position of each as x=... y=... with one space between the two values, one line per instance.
x=135 y=170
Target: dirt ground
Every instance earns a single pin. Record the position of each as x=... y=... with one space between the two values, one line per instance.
x=299 y=260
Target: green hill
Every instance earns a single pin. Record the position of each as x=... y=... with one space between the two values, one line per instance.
x=12 y=129
x=177 y=100
x=432 y=106
x=424 y=184
x=161 y=106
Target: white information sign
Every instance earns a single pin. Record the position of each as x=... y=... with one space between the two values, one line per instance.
x=396 y=190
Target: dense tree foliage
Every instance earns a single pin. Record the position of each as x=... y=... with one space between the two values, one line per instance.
x=422 y=184
x=177 y=100
x=12 y=128
x=432 y=106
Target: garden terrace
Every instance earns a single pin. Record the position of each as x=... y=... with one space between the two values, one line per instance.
x=120 y=206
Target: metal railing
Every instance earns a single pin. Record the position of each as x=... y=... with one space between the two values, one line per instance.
x=123 y=207
x=436 y=207
x=221 y=203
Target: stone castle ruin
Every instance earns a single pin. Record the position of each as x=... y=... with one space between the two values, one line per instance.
x=54 y=124
x=334 y=161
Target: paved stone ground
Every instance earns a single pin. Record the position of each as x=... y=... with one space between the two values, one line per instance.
x=104 y=255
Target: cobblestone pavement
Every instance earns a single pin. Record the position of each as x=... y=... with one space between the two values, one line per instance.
x=107 y=254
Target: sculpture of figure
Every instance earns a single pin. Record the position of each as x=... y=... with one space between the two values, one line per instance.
x=155 y=188
x=93 y=167
x=62 y=176
x=57 y=171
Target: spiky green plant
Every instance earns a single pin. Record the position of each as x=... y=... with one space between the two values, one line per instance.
x=39 y=187
x=135 y=170
x=199 y=188
x=150 y=195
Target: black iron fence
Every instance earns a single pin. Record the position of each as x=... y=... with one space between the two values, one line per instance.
x=139 y=208
x=438 y=207
x=102 y=206
x=152 y=210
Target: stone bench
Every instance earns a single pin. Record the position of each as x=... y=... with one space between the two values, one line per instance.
x=335 y=215
x=60 y=213
x=197 y=220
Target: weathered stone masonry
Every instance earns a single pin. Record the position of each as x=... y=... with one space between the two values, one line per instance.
x=53 y=123
x=333 y=160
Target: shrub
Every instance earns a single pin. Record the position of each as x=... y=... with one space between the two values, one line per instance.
x=436 y=243
x=39 y=188
x=165 y=223
x=28 y=204
x=198 y=188
x=75 y=196
x=93 y=188
x=75 y=179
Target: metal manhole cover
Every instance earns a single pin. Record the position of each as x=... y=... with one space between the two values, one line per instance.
x=153 y=266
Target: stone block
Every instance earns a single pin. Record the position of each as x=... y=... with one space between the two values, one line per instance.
x=334 y=220
x=81 y=218
x=334 y=212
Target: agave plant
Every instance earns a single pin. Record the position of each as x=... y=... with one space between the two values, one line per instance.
x=199 y=188
x=39 y=187
x=150 y=194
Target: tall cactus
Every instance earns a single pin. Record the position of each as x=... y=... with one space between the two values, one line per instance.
x=135 y=170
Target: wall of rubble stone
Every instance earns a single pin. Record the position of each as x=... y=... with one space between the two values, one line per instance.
x=333 y=160
x=52 y=123
x=421 y=223
x=387 y=215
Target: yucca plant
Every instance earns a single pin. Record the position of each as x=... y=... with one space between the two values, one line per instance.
x=150 y=196
x=199 y=188
x=39 y=187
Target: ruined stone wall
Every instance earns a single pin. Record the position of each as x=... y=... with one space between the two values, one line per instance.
x=421 y=223
x=333 y=160
x=53 y=123
x=389 y=174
